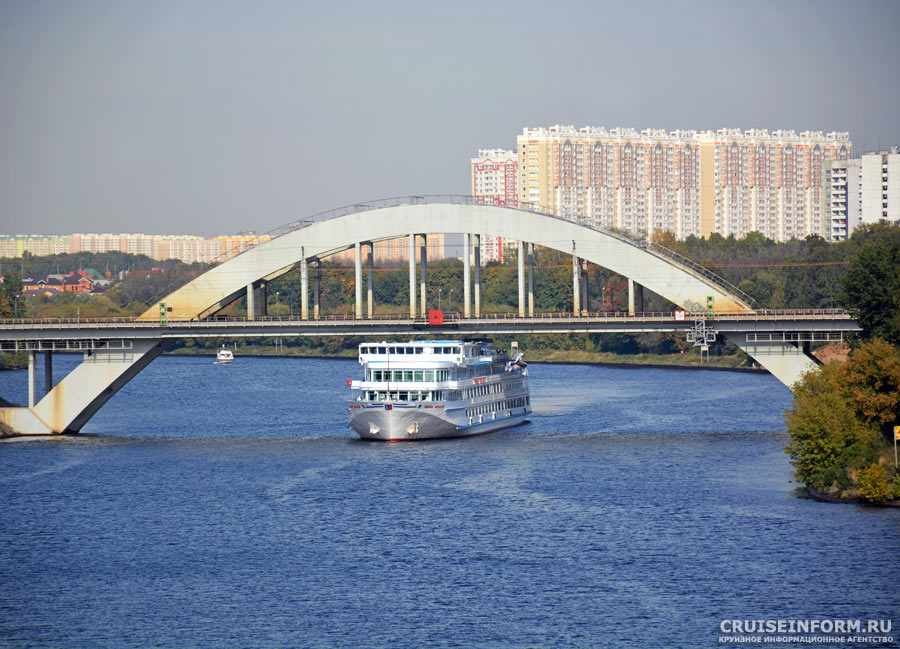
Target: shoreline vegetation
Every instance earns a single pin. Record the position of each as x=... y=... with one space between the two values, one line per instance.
x=844 y=422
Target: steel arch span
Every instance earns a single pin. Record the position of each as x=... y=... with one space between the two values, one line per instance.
x=653 y=267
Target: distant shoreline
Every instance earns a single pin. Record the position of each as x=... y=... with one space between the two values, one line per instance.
x=615 y=364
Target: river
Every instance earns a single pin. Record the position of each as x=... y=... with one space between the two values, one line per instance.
x=230 y=506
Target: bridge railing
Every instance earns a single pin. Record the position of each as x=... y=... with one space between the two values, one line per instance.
x=449 y=317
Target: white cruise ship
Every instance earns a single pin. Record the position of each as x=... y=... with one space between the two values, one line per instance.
x=437 y=388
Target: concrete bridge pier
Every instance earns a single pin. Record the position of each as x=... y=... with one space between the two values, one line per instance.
x=530 y=280
x=576 y=288
x=412 y=276
x=786 y=361
x=75 y=399
x=48 y=372
x=370 y=263
x=585 y=305
x=358 y=277
x=467 y=281
x=521 y=279
x=304 y=286
x=317 y=289
x=32 y=378
x=476 y=239
x=635 y=297
x=423 y=274
x=256 y=300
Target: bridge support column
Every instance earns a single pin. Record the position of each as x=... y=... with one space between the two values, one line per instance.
x=635 y=297
x=262 y=300
x=467 y=281
x=75 y=399
x=576 y=289
x=423 y=274
x=521 y=279
x=412 y=276
x=317 y=289
x=585 y=303
x=251 y=297
x=370 y=262
x=48 y=372
x=787 y=362
x=477 y=250
x=530 y=280
x=304 y=287
x=32 y=378
x=358 y=277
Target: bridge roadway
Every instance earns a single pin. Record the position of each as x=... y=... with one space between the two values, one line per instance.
x=58 y=334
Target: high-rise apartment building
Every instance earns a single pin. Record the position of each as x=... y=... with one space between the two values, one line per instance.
x=395 y=251
x=863 y=190
x=685 y=182
x=842 y=178
x=493 y=175
x=880 y=186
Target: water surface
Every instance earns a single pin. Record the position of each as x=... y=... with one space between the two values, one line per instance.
x=230 y=506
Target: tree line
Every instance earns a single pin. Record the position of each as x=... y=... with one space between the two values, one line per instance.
x=843 y=416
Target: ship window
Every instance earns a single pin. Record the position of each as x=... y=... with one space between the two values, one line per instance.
x=418 y=376
x=420 y=350
x=382 y=350
x=438 y=350
x=396 y=376
x=457 y=350
x=392 y=350
x=407 y=376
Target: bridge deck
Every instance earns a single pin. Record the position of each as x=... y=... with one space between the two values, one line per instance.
x=770 y=322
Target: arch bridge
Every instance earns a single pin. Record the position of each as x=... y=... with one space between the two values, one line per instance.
x=303 y=244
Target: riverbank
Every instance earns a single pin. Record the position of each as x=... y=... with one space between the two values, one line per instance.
x=848 y=497
x=690 y=361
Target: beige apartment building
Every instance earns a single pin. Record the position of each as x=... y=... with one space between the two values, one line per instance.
x=187 y=248
x=684 y=182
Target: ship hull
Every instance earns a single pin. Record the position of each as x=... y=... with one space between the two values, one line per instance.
x=406 y=423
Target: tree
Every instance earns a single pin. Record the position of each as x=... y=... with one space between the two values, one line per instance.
x=11 y=295
x=826 y=434
x=873 y=383
x=870 y=290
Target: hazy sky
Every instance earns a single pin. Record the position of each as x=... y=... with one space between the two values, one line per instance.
x=210 y=117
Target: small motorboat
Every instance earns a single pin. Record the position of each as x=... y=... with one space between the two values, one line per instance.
x=224 y=357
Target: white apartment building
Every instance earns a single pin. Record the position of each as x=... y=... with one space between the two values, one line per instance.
x=880 y=186
x=863 y=190
x=685 y=182
x=843 y=209
x=493 y=177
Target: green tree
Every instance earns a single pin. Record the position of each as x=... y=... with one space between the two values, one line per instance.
x=870 y=290
x=11 y=295
x=872 y=383
x=826 y=433
x=873 y=483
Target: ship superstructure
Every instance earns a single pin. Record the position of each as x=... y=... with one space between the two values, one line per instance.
x=437 y=388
